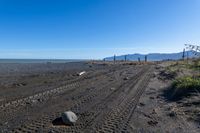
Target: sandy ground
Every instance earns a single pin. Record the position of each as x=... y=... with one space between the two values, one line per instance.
x=156 y=113
x=107 y=98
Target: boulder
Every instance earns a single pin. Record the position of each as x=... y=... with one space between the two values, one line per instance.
x=69 y=117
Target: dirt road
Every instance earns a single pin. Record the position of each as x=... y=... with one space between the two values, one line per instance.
x=103 y=99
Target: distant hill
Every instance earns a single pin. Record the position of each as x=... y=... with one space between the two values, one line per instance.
x=153 y=56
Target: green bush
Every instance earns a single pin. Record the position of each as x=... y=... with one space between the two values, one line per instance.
x=185 y=86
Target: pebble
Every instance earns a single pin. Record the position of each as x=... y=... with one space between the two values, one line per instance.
x=152 y=122
x=112 y=88
x=81 y=73
x=142 y=104
x=126 y=78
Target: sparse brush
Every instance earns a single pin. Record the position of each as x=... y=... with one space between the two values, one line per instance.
x=195 y=64
x=185 y=86
x=169 y=73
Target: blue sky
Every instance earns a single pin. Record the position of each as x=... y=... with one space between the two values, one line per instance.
x=94 y=29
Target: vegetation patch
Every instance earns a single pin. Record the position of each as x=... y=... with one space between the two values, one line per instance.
x=183 y=87
x=195 y=64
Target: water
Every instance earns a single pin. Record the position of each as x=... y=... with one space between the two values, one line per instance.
x=39 y=60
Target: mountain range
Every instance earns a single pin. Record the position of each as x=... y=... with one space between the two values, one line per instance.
x=153 y=56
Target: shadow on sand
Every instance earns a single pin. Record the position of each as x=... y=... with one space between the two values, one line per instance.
x=170 y=94
x=59 y=122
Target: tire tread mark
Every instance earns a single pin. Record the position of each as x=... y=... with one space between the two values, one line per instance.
x=46 y=119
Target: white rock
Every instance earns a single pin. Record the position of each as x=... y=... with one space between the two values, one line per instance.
x=69 y=117
x=81 y=73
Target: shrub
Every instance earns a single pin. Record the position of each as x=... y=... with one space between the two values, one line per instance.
x=185 y=86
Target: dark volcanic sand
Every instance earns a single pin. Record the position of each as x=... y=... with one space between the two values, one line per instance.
x=20 y=80
x=105 y=99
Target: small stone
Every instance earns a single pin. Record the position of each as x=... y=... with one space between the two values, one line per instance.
x=81 y=73
x=142 y=104
x=126 y=78
x=158 y=97
x=154 y=111
x=39 y=100
x=172 y=114
x=151 y=97
x=34 y=101
x=51 y=131
x=112 y=88
x=28 y=102
x=152 y=122
x=69 y=117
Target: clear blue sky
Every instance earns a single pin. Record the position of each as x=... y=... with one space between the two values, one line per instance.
x=94 y=29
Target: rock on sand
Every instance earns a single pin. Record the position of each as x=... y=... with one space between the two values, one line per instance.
x=81 y=73
x=69 y=117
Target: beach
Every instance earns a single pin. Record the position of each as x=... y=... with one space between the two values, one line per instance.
x=106 y=97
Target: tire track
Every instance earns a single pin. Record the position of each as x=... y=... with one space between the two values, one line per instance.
x=118 y=118
x=46 y=94
x=79 y=106
x=9 y=110
x=87 y=117
x=90 y=96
